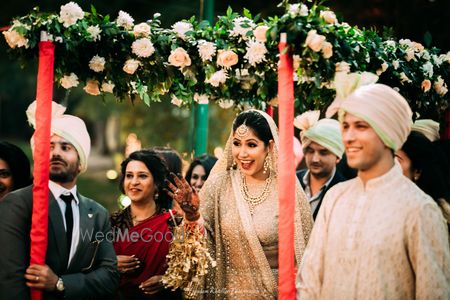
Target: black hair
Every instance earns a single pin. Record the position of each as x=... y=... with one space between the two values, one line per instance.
x=206 y=161
x=257 y=123
x=157 y=167
x=18 y=163
x=427 y=159
x=171 y=157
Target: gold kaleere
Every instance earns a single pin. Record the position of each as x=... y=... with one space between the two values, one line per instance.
x=187 y=259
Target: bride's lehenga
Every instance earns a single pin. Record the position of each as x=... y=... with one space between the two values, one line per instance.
x=243 y=243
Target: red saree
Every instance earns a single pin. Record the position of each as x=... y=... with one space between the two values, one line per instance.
x=149 y=241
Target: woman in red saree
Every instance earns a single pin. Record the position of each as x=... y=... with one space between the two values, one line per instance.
x=143 y=230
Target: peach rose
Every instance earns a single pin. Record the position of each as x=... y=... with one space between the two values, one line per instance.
x=328 y=16
x=131 y=66
x=426 y=85
x=260 y=33
x=227 y=58
x=179 y=58
x=314 y=40
x=141 y=30
x=92 y=87
x=327 y=50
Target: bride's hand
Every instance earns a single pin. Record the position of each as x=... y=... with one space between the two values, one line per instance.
x=185 y=196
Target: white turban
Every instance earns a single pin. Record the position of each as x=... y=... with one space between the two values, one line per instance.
x=325 y=132
x=428 y=128
x=68 y=127
x=386 y=111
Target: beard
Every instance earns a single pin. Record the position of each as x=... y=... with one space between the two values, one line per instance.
x=66 y=174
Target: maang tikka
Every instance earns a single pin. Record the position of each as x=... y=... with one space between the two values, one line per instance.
x=242 y=131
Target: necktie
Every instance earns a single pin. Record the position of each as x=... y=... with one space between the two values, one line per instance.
x=69 y=219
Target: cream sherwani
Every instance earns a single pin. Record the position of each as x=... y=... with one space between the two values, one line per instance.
x=387 y=240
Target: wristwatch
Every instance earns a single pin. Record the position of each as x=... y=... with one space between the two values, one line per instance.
x=60 y=285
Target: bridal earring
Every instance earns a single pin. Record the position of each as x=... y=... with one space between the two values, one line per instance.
x=267 y=163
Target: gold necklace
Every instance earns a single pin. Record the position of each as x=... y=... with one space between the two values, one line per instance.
x=254 y=201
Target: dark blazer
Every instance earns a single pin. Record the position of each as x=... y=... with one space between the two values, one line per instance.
x=92 y=273
x=338 y=177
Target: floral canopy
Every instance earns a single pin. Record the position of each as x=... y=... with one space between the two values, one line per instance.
x=233 y=62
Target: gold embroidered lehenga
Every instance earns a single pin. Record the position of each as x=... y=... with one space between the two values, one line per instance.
x=238 y=240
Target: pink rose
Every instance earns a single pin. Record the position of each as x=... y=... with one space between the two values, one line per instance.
x=260 y=33
x=327 y=50
x=426 y=85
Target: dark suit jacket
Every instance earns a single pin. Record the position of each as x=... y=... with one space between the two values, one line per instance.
x=92 y=273
x=336 y=179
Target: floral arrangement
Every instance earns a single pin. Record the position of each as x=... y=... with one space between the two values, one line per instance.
x=233 y=62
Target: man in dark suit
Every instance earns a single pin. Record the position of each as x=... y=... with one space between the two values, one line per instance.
x=323 y=149
x=80 y=260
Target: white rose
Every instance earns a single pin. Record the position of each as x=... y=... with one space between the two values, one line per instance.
x=304 y=11
x=225 y=103
x=256 y=52
x=260 y=33
x=15 y=39
x=314 y=40
x=180 y=28
x=142 y=47
x=296 y=61
x=131 y=66
x=440 y=87
x=437 y=60
x=206 y=50
x=217 y=78
x=70 y=14
x=241 y=27
x=108 y=87
x=141 y=30
x=427 y=69
x=406 y=42
x=409 y=54
x=396 y=64
x=125 y=20
x=179 y=58
x=390 y=43
x=92 y=87
x=328 y=16
x=97 y=63
x=342 y=67
x=201 y=99
x=175 y=101
x=327 y=50
x=227 y=58
x=94 y=32
x=298 y=10
x=69 y=81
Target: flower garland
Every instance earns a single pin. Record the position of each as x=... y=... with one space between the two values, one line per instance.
x=233 y=63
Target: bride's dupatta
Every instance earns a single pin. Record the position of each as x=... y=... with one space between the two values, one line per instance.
x=242 y=270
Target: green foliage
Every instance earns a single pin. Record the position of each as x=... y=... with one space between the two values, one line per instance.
x=237 y=66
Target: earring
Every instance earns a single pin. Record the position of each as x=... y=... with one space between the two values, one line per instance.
x=156 y=196
x=416 y=177
x=234 y=164
x=267 y=163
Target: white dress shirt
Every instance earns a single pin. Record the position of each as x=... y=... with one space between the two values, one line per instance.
x=57 y=191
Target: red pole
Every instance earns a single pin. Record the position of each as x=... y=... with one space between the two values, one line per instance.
x=286 y=175
x=41 y=156
x=269 y=110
